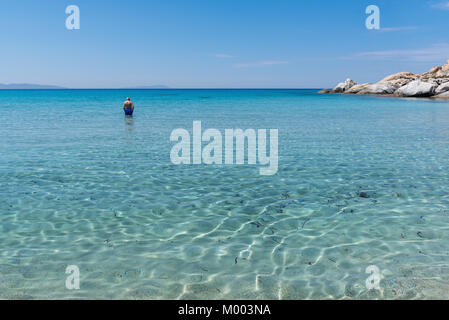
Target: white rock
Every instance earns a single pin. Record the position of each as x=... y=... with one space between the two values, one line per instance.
x=407 y=84
x=379 y=88
x=343 y=86
x=357 y=88
x=442 y=88
x=417 y=88
x=433 y=81
x=444 y=95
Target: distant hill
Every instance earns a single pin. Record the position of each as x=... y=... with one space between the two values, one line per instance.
x=27 y=86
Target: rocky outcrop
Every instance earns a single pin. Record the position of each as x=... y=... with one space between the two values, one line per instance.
x=434 y=83
x=357 y=88
x=399 y=76
x=379 y=88
x=417 y=88
x=437 y=72
x=343 y=86
x=442 y=88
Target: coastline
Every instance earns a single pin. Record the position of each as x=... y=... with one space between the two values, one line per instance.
x=433 y=84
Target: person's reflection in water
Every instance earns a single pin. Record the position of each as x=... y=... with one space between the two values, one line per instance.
x=129 y=123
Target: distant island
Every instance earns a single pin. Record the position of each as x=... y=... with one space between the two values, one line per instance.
x=432 y=84
x=27 y=86
x=30 y=86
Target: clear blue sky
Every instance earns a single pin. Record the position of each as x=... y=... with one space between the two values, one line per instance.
x=218 y=43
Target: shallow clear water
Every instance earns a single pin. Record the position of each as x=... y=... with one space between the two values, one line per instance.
x=83 y=185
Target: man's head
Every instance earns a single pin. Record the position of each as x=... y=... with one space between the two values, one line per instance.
x=128 y=99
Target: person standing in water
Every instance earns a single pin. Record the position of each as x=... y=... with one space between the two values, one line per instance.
x=128 y=106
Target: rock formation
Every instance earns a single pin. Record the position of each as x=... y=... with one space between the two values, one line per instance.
x=417 y=88
x=378 y=88
x=342 y=87
x=434 y=83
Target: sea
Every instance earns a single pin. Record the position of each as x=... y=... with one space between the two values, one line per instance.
x=93 y=207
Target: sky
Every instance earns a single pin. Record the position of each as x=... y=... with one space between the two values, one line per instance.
x=218 y=43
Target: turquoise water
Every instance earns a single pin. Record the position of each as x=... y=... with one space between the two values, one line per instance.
x=362 y=181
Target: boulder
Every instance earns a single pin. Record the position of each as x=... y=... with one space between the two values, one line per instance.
x=326 y=91
x=437 y=81
x=357 y=88
x=378 y=88
x=417 y=88
x=343 y=86
x=442 y=88
x=433 y=81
